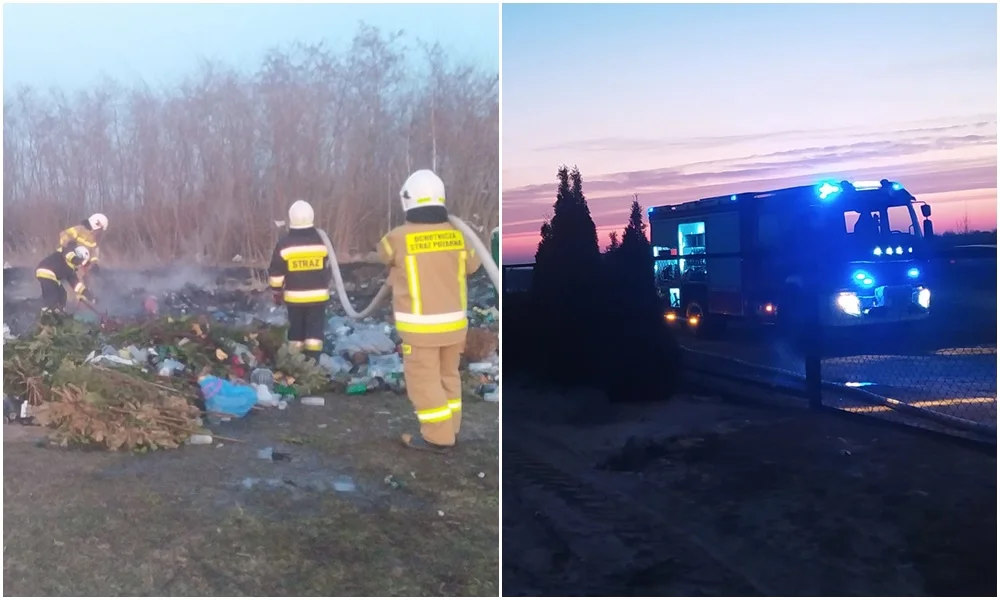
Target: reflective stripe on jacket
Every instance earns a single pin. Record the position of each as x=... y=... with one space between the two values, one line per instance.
x=300 y=266
x=429 y=266
x=59 y=268
x=79 y=235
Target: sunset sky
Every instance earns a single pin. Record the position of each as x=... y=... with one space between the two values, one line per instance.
x=680 y=102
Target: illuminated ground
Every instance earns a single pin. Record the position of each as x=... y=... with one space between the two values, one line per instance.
x=947 y=363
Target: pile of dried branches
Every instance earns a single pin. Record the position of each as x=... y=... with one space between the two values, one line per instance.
x=129 y=407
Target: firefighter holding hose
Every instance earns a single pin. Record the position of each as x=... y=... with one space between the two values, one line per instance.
x=299 y=276
x=429 y=260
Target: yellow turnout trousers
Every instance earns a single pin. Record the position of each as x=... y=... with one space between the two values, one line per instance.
x=434 y=386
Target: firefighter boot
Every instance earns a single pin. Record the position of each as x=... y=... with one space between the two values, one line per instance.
x=451 y=381
x=422 y=369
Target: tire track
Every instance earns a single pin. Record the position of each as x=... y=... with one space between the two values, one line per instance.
x=659 y=559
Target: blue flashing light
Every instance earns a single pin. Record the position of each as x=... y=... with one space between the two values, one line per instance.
x=859 y=275
x=899 y=249
x=649 y=210
x=733 y=198
x=913 y=273
x=910 y=250
x=868 y=281
x=827 y=189
x=877 y=252
x=896 y=187
x=888 y=251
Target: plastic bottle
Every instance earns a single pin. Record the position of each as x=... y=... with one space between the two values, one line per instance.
x=358 y=387
x=199 y=439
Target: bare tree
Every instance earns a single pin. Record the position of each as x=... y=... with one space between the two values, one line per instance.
x=200 y=171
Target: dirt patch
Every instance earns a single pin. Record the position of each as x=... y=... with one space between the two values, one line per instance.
x=341 y=508
x=783 y=502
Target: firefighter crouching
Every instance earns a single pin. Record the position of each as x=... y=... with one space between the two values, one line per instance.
x=299 y=275
x=58 y=269
x=429 y=261
x=84 y=234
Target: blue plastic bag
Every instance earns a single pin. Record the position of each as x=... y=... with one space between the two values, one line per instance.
x=223 y=396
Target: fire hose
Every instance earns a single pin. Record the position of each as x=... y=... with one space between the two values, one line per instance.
x=491 y=269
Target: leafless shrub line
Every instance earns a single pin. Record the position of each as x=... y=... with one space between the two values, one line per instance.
x=200 y=172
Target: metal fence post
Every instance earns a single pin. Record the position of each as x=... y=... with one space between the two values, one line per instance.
x=813 y=341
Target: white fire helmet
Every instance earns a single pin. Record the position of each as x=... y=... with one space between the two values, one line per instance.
x=98 y=222
x=82 y=255
x=300 y=215
x=423 y=188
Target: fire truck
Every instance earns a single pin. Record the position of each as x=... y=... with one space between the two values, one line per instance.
x=855 y=249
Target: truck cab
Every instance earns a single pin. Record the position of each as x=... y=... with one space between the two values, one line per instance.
x=857 y=248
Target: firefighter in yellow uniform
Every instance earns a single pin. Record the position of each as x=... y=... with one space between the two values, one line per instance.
x=429 y=261
x=84 y=234
x=299 y=276
x=59 y=269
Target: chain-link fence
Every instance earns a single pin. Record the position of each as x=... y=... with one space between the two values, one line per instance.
x=940 y=368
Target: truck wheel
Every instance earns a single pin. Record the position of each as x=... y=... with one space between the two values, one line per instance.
x=702 y=324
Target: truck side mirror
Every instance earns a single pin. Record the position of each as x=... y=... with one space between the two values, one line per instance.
x=925 y=210
x=928 y=227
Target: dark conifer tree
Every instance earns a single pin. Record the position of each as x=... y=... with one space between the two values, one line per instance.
x=613 y=243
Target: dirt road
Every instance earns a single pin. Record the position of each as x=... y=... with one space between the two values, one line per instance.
x=700 y=497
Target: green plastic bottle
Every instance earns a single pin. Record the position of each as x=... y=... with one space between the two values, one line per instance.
x=357 y=388
x=281 y=390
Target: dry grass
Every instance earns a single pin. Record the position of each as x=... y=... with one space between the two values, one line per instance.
x=180 y=523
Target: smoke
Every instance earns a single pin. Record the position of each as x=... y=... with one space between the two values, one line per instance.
x=121 y=292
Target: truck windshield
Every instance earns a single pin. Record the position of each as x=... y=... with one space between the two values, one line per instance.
x=874 y=226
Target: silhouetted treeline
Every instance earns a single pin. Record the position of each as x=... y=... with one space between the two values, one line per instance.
x=203 y=169
x=591 y=319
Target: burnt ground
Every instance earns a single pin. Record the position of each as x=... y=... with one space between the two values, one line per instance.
x=702 y=497
x=345 y=510
x=351 y=512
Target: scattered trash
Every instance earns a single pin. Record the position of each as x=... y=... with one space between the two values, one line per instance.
x=262 y=377
x=344 y=484
x=112 y=359
x=234 y=340
x=385 y=366
x=200 y=439
x=15 y=410
x=269 y=454
x=372 y=340
x=169 y=367
x=360 y=385
x=335 y=364
x=483 y=367
x=265 y=397
x=226 y=397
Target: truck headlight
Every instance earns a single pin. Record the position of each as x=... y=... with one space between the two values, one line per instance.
x=924 y=298
x=849 y=303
